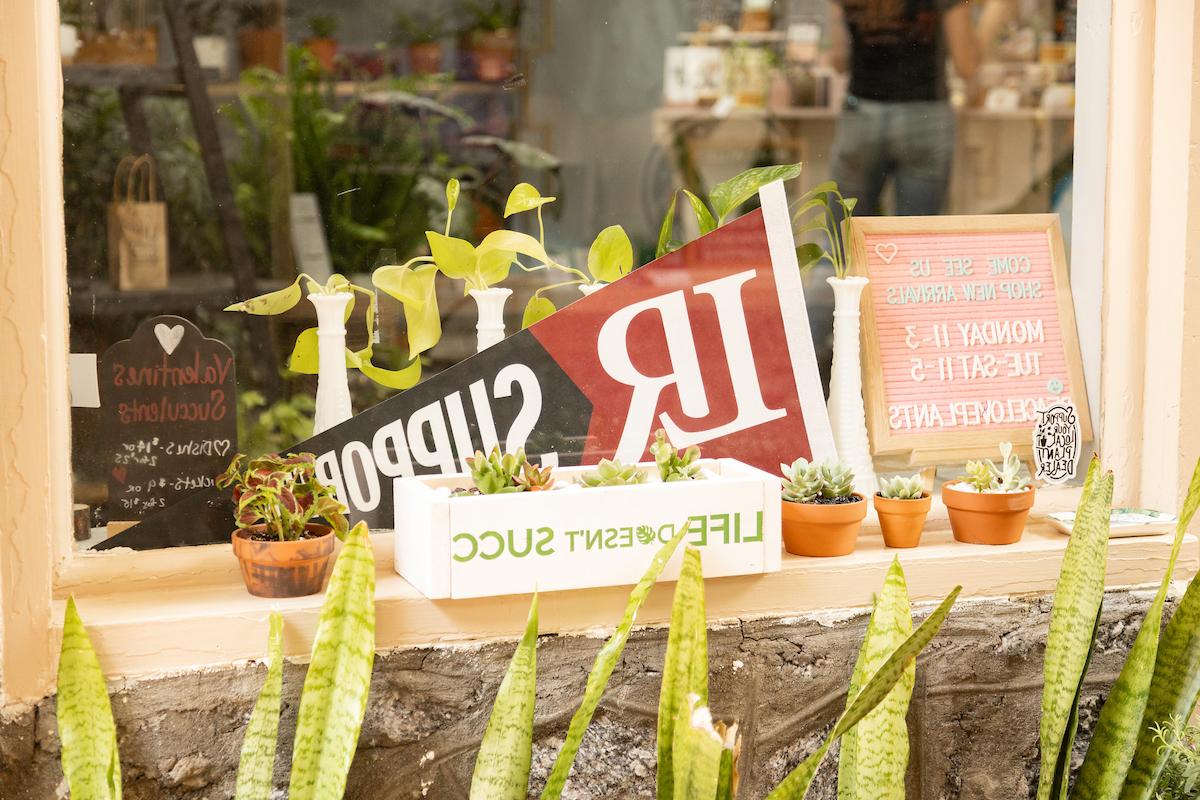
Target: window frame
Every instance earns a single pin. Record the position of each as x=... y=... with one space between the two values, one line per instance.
x=1125 y=313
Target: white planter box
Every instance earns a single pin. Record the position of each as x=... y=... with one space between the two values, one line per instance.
x=574 y=538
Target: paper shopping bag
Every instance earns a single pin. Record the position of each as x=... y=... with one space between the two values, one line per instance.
x=137 y=228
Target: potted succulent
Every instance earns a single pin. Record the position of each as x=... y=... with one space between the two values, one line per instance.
x=822 y=514
x=492 y=38
x=260 y=35
x=902 y=504
x=990 y=504
x=421 y=35
x=672 y=464
x=321 y=43
x=283 y=548
x=612 y=473
x=208 y=35
x=504 y=473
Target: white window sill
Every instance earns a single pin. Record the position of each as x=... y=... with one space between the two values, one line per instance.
x=156 y=625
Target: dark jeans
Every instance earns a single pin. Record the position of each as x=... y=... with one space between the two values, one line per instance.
x=912 y=143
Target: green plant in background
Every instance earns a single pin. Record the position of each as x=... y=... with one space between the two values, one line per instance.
x=824 y=209
x=724 y=199
x=1179 y=745
x=322 y=26
x=1159 y=679
x=90 y=761
x=494 y=15
x=332 y=702
x=281 y=493
x=304 y=358
x=269 y=428
x=672 y=464
x=612 y=473
x=415 y=28
x=801 y=481
x=498 y=472
x=899 y=487
x=985 y=476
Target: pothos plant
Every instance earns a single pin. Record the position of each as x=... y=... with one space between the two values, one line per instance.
x=487 y=264
x=304 y=357
x=823 y=208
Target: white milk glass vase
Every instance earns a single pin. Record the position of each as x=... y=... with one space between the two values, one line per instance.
x=333 y=388
x=490 y=327
x=587 y=289
x=847 y=415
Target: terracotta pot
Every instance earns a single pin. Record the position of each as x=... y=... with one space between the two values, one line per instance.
x=982 y=518
x=284 y=569
x=902 y=521
x=492 y=54
x=324 y=50
x=425 y=58
x=817 y=529
x=261 y=47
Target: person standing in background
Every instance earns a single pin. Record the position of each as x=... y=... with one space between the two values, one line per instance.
x=897 y=122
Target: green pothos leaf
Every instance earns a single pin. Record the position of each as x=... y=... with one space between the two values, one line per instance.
x=275 y=302
x=704 y=217
x=536 y=310
x=666 y=229
x=524 y=197
x=726 y=197
x=611 y=254
x=454 y=257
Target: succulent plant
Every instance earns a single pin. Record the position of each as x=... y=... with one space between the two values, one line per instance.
x=985 y=476
x=902 y=488
x=497 y=472
x=612 y=473
x=533 y=479
x=673 y=465
x=837 y=480
x=802 y=481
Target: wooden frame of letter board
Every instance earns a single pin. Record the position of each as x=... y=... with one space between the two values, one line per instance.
x=929 y=448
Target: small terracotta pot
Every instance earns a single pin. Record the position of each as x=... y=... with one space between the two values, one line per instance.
x=425 y=58
x=261 y=47
x=818 y=529
x=492 y=53
x=284 y=569
x=902 y=521
x=983 y=518
x=324 y=50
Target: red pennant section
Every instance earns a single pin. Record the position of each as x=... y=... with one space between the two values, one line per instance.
x=696 y=343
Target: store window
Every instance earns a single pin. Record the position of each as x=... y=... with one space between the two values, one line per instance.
x=215 y=149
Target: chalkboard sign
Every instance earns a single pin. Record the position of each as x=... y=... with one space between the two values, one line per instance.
x=968 y=330
x=169 y=401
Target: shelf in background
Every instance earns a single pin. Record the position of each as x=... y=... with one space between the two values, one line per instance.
x=731 y=37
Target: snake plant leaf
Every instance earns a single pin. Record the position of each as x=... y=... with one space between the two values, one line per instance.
x=726 y=197
x=704 y=217
x=454 y=257
x=275 y=302
x=524 y=197
x=334 y=697
x=502 y=766
x=1062 y=767
x=696 y=769
x=257 y=764
x=515 y=242
x=90 y=761
x=1077 y=600
x=1176 y=682
x=878 y=745
x=728 y=780
x=536 y=310
x=665 y=230
x=602 y=669
x=685 y=666
x=1114 y=741
x=876 y=689
x=611 y=254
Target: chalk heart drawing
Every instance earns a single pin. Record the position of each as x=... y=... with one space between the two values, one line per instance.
x=168 y=336
x=886 y=251
x=222 y=446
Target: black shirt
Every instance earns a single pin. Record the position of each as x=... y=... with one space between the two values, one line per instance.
x=896 y=49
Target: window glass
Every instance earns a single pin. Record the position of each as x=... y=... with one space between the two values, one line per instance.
x=260 y=139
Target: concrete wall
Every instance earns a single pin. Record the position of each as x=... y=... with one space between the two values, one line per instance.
x=973 y=720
